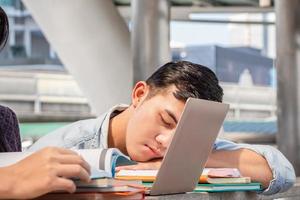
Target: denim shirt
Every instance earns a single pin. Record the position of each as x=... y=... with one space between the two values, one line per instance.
x=93 y=133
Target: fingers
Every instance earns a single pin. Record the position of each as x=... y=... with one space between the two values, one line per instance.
x=65 y=158
x=75 y=159
x=65 y=151
x=63 y=184
x=72 y=171
x=57 y=150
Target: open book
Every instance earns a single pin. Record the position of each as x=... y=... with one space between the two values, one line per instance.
x=102 y=161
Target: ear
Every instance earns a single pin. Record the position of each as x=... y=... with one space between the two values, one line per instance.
x=139 y=93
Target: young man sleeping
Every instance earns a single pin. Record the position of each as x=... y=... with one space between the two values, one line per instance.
x=143 y=129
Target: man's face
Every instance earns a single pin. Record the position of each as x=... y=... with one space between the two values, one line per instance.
x=152 y=124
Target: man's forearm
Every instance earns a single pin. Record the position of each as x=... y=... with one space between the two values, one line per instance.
x=248 y=162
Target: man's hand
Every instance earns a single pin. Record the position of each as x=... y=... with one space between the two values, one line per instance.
x=44 y=171
x=152 y=164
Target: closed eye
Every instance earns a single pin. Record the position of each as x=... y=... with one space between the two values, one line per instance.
x=168 y=125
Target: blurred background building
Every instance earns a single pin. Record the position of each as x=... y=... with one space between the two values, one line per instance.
x=236 y=39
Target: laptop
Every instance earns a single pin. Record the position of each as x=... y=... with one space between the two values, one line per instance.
x=190 y=147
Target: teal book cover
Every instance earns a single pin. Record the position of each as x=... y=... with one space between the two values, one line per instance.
x=228 y=187
x=221 y=187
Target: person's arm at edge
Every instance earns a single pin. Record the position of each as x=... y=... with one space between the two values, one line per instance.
x=44 y=171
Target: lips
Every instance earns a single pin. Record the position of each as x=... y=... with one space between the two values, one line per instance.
x=154 y=150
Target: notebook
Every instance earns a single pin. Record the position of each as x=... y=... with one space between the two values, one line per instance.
x=227 y=187
x=221 y=187
x=190 y=147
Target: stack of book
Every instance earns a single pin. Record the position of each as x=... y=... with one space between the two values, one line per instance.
x=101 y=188
x=211 y=180
x=91 y=196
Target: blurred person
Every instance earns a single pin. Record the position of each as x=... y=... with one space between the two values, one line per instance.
x=44 y=171
x=10 y=140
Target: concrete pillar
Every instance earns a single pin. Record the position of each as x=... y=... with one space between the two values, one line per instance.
x=150 y=36
x=52 y=53
x=11 y=36
x=265 y=33
x=27 y=40
x=93 y=42
x=12 y=32
x=288 y=70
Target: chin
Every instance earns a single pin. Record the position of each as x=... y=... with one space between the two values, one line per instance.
x=138 y=156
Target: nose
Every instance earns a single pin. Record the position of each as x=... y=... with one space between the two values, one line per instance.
x=164 y=139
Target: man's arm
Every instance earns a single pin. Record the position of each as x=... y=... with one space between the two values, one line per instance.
x=283 y=174
x=78 y=135
x=248 y=162
x=262 y=163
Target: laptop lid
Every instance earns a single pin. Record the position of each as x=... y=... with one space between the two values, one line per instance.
x=190 y=147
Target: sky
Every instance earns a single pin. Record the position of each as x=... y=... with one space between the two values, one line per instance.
x=197 y=33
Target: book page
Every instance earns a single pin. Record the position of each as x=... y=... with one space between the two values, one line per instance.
x=10 y=158
x=137 y=173
x=211 y=172
x=91 y=156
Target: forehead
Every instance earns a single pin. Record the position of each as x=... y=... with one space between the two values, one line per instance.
x=165 y=99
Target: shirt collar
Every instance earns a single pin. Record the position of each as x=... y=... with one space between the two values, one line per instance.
x=105 y=124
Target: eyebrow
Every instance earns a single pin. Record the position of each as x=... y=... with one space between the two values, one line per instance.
x=172 y=115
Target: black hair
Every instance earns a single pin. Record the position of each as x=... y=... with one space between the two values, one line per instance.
x=4 y=28
x=190 y=79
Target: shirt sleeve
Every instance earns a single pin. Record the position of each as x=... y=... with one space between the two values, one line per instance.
x=77 y=135
x=283 y=172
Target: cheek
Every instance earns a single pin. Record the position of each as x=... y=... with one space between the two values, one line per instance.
x=139 y=129
x=141 y=120
x=134 y=131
